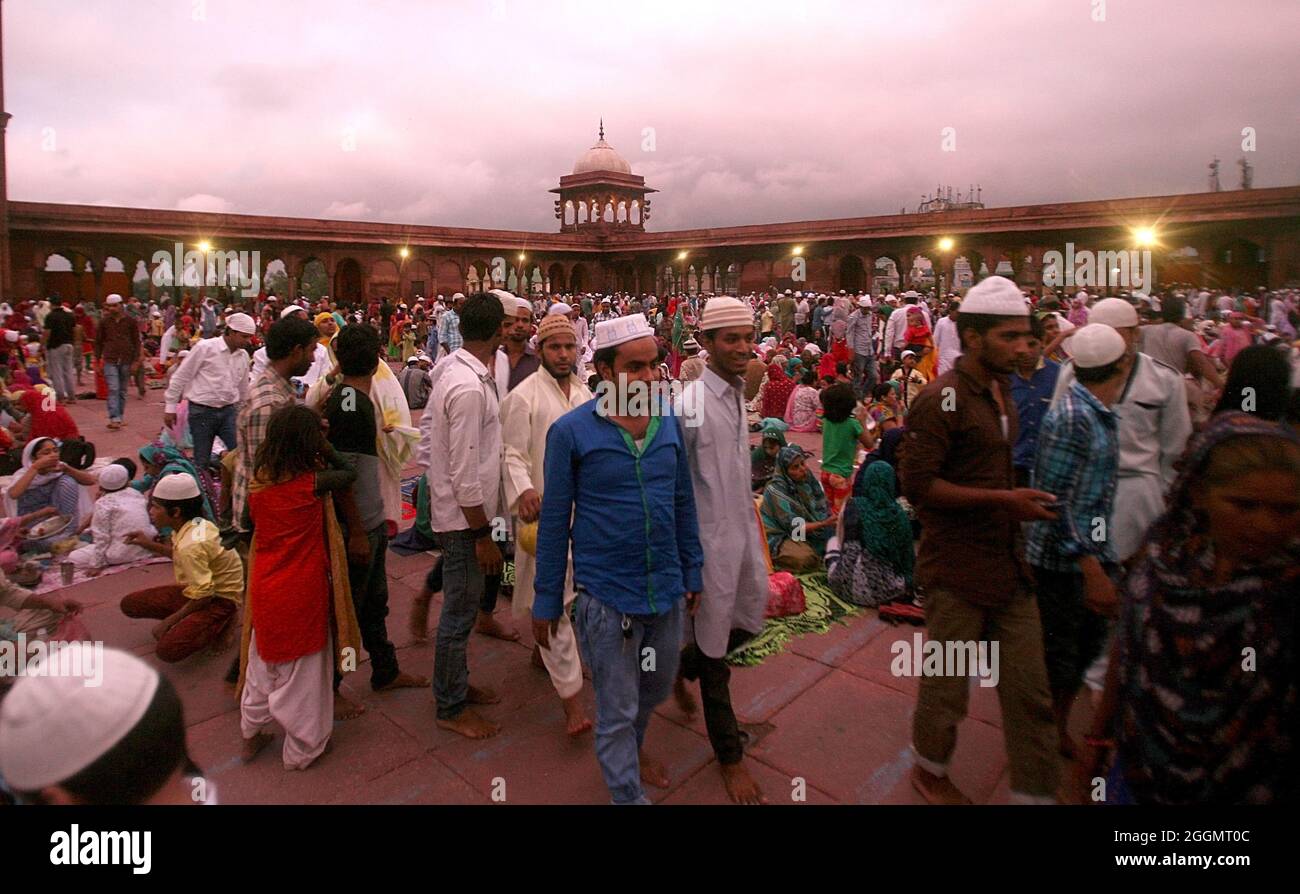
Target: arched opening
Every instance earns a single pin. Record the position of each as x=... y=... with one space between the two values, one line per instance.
x=570 y=214
x=276 y=279
x=1240 y=264
x=555 y=276
x=349 y=285
x=578 y=278
x=884 y=276
x=853 y=275
x=963 y=274
x=314 y=281
x=476 y=278
x=608 y=216
x=1181 y=265
x=667 y=280
x=692 y=281
x=417 y=279
x=731 y=281
x=582 y=212
x=634 y=213
x=140 y=281
x=384 y=281
x=621 y=213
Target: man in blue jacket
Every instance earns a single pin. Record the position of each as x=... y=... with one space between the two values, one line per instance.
x=618 y=492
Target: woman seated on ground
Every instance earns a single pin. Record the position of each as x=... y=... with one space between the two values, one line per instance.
x=762 y=459
x=46 y=481
x=874 y=565
x=1215 y=579
x=160 y=461
x=119 y=511
x=795 y=513
x=42 y=416
x=801 y=409
x=885 y=407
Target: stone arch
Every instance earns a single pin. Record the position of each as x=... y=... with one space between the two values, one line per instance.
x=731 y=278
x=417 y=279
x=1240 y=263
x=852 y=274
x=885 y=276
x=556 y=278
x=384 y=280
x=349 y=282
x=314 y=281
x=476 y=277
x=578 y=278
x=448 y=277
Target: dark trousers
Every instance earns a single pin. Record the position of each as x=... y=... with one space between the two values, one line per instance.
x=207 y=423
x=1073 y=635
x=195 y=631
x=715 y=693
x=369 y=583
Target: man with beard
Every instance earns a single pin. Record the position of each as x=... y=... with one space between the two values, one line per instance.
x=526 y=416
x=956 y=468
x=732 y=603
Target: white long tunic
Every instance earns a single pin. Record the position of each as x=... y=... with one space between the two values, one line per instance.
x=1154 y=425
x=735 y=570
x=116 y=514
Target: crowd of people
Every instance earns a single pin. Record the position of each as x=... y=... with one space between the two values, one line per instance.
x=1107 y=487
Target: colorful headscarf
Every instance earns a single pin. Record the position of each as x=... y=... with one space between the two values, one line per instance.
x=172 y=461
x=1197 y=724
x=883 y=527
x=785 y=500
x=776 y=392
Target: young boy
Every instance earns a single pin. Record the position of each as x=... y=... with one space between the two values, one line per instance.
x=194 y=612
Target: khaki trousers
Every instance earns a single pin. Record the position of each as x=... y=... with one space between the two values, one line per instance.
x=1028 y=724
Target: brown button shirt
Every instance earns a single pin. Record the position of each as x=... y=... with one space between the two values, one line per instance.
x=954 y=432
x=118 y=340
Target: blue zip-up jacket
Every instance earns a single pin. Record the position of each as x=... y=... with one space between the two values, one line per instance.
x=634 y=533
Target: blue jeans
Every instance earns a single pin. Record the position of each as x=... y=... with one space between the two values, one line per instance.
x=864 y=374
x=462 y=590
x=626 y=695
x=118 y=376
x=207 y=423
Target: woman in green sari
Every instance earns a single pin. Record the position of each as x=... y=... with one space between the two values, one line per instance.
x=159 y=460
x=795 y=512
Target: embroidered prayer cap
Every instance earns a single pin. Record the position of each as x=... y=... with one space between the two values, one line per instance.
x=559 y=307
x=113 y=299
x=995 y=296
x=724 y=311
x=292 y=309
x=610 y=333
x=1114 y=312
x=113 y=478
x=176 y=486
x=77 y=702
x=241 y=323
x=1096 y=344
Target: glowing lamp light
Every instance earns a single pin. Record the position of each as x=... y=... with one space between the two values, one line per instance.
x=946 y=244
x=1144 y=236
x=404 y=252
x=205 y=245
x=681 y=256
x=798 y=250
x=522 y=256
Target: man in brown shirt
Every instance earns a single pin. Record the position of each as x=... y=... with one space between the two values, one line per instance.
x=956 y=469
x=117 y=344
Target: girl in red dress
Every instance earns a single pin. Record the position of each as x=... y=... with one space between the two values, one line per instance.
x=298 y=597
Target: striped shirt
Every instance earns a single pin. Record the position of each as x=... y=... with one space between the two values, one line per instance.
x=269 y=393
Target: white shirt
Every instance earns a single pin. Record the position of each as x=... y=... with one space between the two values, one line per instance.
x=464 y=443
x=947 y=343
x=896 y=327
x=212 y=375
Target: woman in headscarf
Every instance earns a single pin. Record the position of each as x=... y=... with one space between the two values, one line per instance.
x=918 y=339
x=794 y=506
x=44 y=416
x=1201 y=692
x=762 y=459
x=45 y=481
x=805 y=401
x=1079 y=310
x=776 y=390
x=876 y=557
x=160 y=460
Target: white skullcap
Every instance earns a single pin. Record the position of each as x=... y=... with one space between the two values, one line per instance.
x=458 y=296
x=54 y=725
x=292 y=309
x=724 y=311
x=907 y=354
x=1114 y=312
x=1096 y=345
x=176 y=486
x=510 y=302
x=242 y=323
x=610 y=333
x=113 y=299
x=112 y=478
x=995 y=296
x=864 y=301
x=559 y=307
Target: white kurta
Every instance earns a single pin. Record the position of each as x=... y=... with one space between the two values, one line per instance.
x=1154 y=425
x=116 y=514
x=715 y=428
x=527 y=414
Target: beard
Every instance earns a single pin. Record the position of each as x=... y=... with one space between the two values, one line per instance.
x=555 y=374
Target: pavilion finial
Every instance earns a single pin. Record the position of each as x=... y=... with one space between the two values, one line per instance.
x=602 y=127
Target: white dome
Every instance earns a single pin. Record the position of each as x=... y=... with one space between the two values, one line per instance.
x=601 y=157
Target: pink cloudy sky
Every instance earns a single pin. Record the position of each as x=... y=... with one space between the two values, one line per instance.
x=465 y=113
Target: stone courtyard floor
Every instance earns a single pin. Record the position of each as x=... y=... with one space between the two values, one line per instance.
x=826 y=711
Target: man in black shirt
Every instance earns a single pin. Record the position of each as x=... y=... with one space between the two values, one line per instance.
x=60 y=352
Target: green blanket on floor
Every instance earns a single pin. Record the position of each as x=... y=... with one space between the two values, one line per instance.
x=823 y=609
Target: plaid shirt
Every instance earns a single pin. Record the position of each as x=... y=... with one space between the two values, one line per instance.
x=1078 y=461
x=269 y=393
x=449 y=331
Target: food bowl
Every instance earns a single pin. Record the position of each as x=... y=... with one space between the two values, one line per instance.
x=47 y=528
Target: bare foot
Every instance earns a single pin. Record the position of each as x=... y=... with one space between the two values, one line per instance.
x=329 y=746
x=685 y=700
x=576 y=721
x=653 y=772
x=403 y=680
x=253 y=746
x=537 y=658
x=346 y=709
x=937 y=789
x=741 y=787
x=419 y=624
x=470 y=725
x=483 y=696
x=490 y=626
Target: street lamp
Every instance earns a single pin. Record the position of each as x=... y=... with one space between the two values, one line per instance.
x=404 y=252
x=1145 y=236
x=205 y=246
x=798 y=250
x=946 y=244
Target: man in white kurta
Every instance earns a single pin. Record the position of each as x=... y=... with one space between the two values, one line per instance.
x=526 y=416
x=732 y=604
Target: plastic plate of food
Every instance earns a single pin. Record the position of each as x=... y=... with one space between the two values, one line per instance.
x=48 y=527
